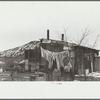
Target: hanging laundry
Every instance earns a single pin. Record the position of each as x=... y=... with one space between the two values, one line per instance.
x=50 y=60
x=58 y=56
x=68 y=67
x=47 y=55
x=69 y=64
x=44 y=54
x=54 y=64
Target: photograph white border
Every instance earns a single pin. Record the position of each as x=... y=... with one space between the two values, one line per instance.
x=50 y=90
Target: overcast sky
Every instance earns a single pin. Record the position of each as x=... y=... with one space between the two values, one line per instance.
x=22 y=22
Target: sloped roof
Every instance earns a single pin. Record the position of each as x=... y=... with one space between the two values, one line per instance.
x=19 y=50
x=31 y=45
x=65 y=43
x=57 y=41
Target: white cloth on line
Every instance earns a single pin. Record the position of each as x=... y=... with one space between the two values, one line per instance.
x=50 y=56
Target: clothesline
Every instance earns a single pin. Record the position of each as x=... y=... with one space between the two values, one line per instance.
x=58 y=56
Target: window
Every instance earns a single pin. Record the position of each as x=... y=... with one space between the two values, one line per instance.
x=30 y=54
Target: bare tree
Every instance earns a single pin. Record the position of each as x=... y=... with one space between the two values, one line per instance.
x=85 y=33
x=65 y=33
x=59 y=35
x=83 y=40
x=93 y=46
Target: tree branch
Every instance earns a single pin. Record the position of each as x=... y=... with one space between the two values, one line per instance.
x=85 y=33
x=65 y=33
x=95 y=41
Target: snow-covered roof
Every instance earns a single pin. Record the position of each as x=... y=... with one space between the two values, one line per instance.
x=19 y=50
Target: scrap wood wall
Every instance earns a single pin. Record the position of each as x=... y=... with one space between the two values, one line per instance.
x=97 y=64
x=84 y=59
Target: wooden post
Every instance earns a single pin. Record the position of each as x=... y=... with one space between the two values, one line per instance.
x=26 y=64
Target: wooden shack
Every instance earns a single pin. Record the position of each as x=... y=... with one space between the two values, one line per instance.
x=81 y=57
x=35 y=58
x=84 y=59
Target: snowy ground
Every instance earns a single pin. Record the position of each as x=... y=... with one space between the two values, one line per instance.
x=94 y=76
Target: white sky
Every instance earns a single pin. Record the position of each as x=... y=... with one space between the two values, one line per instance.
x=22 y=22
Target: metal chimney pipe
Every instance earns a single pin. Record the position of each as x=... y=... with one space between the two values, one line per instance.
x=48 y=34
x=62 y=37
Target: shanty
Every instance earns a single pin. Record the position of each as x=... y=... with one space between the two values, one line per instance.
x=50 y=60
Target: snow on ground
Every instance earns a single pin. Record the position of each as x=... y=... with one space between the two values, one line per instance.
x=94 y=74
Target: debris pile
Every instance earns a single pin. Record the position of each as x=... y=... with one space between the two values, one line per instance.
x=5 y=76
